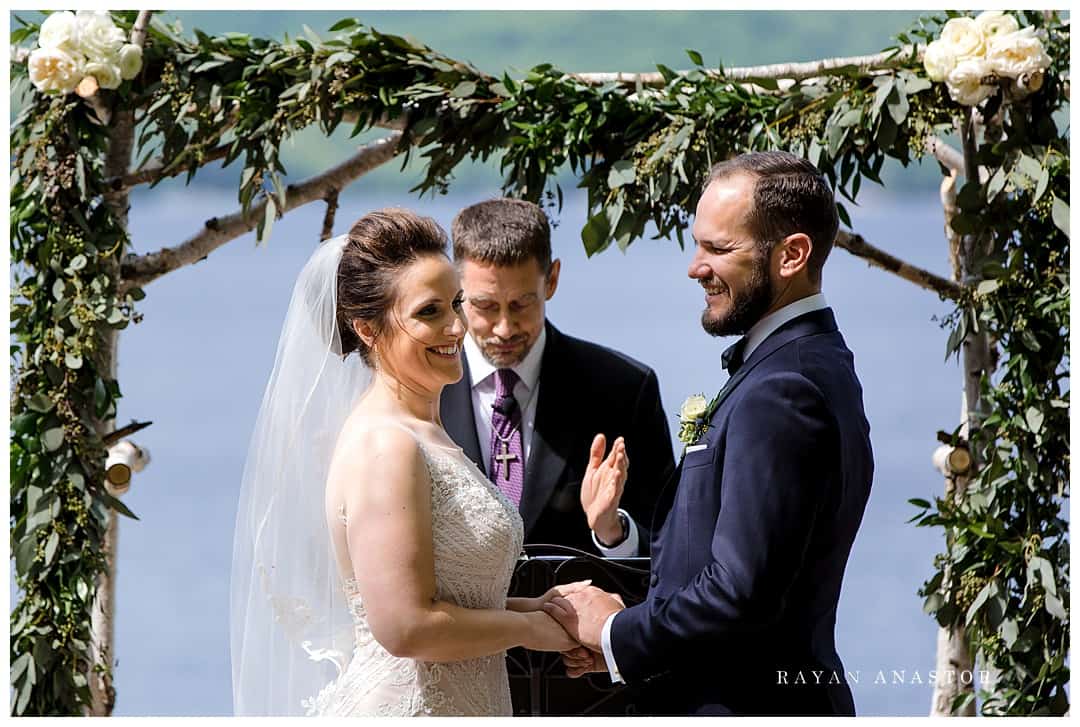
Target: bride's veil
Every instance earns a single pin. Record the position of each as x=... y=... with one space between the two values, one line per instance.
x=290 y=630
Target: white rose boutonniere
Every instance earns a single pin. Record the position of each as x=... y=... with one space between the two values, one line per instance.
x=692 y=419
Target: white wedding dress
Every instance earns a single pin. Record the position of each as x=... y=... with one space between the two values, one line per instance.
x=478 y=535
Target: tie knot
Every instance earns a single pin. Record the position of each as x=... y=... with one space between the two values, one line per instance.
x=732 y=358
x=505 y=380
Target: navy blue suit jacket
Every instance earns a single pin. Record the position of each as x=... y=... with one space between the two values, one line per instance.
x=747 y=567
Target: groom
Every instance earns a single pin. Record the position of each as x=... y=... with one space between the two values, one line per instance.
x=746 y=570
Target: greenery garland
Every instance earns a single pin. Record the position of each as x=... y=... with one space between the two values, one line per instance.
x=640 y=153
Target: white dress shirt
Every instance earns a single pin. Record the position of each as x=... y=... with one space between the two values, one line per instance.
x=527 y=393
x=758 y=333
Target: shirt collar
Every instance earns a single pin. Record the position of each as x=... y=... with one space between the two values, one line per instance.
x=528 y=370
x=767 y=325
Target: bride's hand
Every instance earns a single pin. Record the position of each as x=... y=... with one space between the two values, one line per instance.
x=561 y=590
x=545 y=634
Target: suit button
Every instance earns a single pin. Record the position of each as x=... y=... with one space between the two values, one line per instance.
x=654 y=579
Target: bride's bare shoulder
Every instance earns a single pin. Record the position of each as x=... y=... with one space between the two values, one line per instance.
x=375 y=439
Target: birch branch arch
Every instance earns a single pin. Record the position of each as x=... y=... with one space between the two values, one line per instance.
x=638 y=144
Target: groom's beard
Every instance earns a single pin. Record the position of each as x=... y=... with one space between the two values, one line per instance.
x=747 y=307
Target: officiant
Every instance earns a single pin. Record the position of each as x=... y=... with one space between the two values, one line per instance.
x=532 y=398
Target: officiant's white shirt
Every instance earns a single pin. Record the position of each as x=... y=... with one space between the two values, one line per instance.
x=758 y=333
x=527 y=393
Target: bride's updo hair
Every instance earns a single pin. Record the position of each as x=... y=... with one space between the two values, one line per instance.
x=379 y=246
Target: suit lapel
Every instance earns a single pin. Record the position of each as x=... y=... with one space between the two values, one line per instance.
x=459 y=420
x=551 y=432
x=819 y=321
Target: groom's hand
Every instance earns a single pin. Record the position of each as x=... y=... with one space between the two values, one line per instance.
x=583 y=613
x=602 y=488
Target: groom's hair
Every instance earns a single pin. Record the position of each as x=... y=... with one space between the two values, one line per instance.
x=503 y=232
x=790 y=195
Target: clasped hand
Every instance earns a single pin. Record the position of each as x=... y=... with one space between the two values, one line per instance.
x=582 y=612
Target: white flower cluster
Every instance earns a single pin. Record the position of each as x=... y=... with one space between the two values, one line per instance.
x=993 y=44
x=74 y=46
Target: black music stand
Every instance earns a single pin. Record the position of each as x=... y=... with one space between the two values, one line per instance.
x=539 y=685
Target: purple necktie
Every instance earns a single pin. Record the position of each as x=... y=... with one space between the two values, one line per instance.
x=507 y=456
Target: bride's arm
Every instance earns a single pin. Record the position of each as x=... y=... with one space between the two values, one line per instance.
x=386 y=491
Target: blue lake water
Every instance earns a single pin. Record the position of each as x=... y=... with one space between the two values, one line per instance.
x=196 y=366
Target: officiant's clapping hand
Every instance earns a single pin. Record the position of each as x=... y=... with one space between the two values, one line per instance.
x=602 y=488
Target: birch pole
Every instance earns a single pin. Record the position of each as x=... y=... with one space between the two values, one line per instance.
x=117 y=161
x=954 y=654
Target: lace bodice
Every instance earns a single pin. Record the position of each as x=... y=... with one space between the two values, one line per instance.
x=477 y=537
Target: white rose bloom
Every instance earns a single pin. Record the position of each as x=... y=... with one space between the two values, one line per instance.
x=99 y=39
x=59 y=31
x=994 y=22
x=130 y=61
x=693 y=408
x=107 y=74
x=938 y=60
x=963 y=38
x=53 y=70
x=1016 y=53
x=965 y=82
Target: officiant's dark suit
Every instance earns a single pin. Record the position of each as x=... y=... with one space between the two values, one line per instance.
x=747 y=567
x=585 y=389
x=503 y=250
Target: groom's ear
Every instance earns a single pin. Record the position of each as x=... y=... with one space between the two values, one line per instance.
x=794 y=254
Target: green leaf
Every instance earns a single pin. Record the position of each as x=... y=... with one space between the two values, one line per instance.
x=1040 y=186
x=73 y=361
x=850 y=118
x=1029 y=167
x=343 y=24
x=996 y=184
x=919 y=502
x=987 y=287
x=695 y=57
x=77 y=263
x=668 y=74
x=267 y=222
x=843 y=213
x=18 y=667
x=1060 y=213
x=465 y=89
x=117 y=505
x=933 y=603
x=1054 y=607
x=50 y=547
x=988 y=590
x=53 y=438
x=40 y=402
x=622 y=172
x=1009 y=631
x=1034 y=419
x=595 y=234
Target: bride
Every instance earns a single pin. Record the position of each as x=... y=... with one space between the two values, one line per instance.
x=372 y=559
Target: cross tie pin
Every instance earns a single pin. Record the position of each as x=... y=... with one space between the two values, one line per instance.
x=504 y=458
